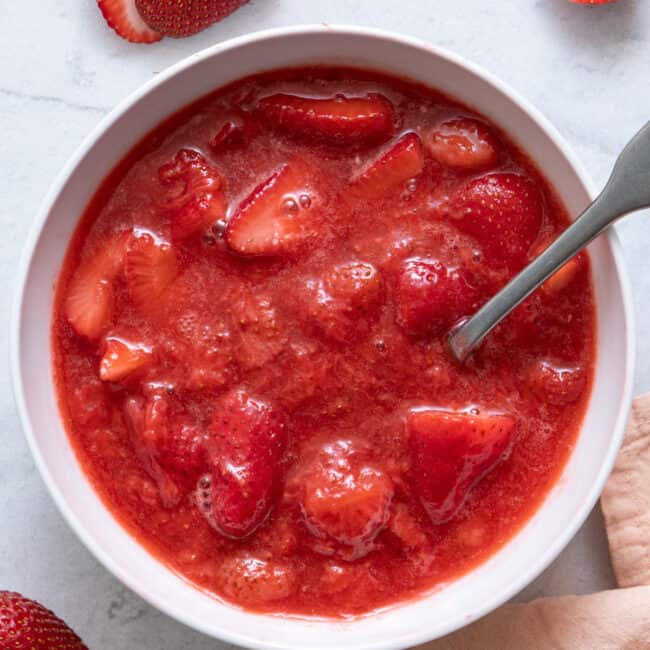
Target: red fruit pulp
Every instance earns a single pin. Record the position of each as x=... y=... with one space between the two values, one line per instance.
x=320 y=333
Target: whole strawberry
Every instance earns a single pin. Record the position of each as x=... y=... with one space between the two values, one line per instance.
x=178 y=18
x=26 y=625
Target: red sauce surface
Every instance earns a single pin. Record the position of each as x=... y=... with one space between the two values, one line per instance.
x=281 y=423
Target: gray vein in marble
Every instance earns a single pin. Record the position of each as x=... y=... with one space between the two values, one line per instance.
x=101 y=110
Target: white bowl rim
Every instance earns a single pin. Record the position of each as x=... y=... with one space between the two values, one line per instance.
x=544 y=559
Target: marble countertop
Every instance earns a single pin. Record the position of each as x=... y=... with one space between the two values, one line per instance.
x=61 y=70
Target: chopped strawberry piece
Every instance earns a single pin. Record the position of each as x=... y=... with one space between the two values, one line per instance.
x=150 y=267
x=198 y=198
x=122 y=358
x=27 y=625
x=345 y=498
x=503 y=212
x=432 y=296
x=261 y=338
x=555 y=383
x=147 y=422
x=464 y=143
x=277 y=216
x=563 y=277
x=248 y=579
x=336 y=120
x=179 y=19
x=235 y=132
x=248 y=438
x=403 y=161
x=123 y=17
x=342 y=299
x=89 y=303
x=592 y=2
x=451 y=453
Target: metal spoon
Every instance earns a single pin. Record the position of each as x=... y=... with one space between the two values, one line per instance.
x=627 y=190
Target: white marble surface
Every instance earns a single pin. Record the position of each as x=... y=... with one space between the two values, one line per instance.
x=61 y=70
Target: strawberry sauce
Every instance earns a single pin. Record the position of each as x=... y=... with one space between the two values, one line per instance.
x=249 y=342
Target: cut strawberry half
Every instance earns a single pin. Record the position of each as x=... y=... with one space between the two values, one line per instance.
x=503 y=212
x=451 y=453
x=198 y=199
x=403 y=161
x=464 y=143
x=180 y=18
x=432 y=296
x=336 y=120
x=592 y=2
x=89 y=303
x=248 y=438
x=123 y=17
x=122 y=358
x=277 y=216
x=150 y=267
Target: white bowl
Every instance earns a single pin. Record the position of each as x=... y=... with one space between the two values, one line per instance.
x=434 y=614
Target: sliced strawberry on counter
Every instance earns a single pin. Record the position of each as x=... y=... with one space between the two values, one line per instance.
x=122 y=358
x=336 y=120
x=27 y=625
x=555 y=383
x=464 y=143
x=592 y=2
x=150 y=267
x=89 y=303
x=341 y=298
x=432 y=296
x=198 y=201
x=450 y=453
x=123 y=17
x=345 y=498
x=403 y=161
x=277 y=215
x=180 y=18
x=503 y=212
x=248 y=438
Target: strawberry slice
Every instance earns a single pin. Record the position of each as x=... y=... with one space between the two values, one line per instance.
x=451 y=453
x=592 y=2
x=150 y=267
x=122 y=358
x=503 y=212
x=123 y=17
x=464 y=143
x=432 y=296
x=198 y=198
x=275 y=217
x=248 y=438
x=89 y=303
x=345 y=498
x=336 y=120
x=403 y=161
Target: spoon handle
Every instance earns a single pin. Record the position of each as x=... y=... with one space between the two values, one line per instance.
x=628 y=189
